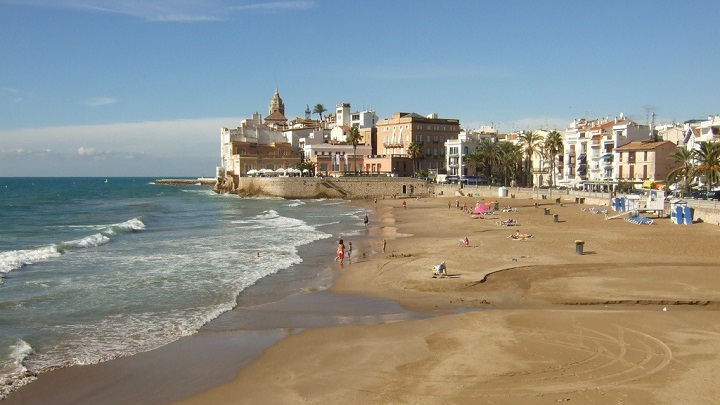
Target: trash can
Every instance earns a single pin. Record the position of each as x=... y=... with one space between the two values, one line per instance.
x=579 y=246
x=502 y=192
x=582 y=200
x=547 y=211
x=555 y=218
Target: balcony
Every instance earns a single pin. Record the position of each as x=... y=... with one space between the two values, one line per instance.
x=396 y=144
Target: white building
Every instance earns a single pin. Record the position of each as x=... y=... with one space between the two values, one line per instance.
x=589 y=147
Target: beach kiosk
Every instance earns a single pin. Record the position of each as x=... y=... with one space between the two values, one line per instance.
x=680 y=212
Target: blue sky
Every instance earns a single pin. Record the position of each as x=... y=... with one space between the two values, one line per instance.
x=141 y=87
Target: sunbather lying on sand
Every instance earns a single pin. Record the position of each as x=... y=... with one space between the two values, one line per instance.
x=520 y=236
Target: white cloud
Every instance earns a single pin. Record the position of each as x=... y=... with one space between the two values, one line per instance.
x=100 y=101
x=177 y=147
x=167 y=10
x=83 y=151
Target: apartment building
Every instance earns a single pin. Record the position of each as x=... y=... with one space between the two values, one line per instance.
x=394 y=136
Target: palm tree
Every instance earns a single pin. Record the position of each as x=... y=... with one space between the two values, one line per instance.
x=509 y=157
x=708 y=162
x=319 y=109
x=553 y=146
x=307 y=165
x=354 y=138
x=683 y=167
x=414 y=151
x=487 y=156
x=530 y=141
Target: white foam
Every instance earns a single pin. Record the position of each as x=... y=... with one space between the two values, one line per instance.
x=86 y=242
x=16 y=259
x=14 y=373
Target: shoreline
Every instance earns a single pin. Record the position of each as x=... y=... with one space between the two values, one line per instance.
x=599 y=314
x=263 y=316
x=561 y=327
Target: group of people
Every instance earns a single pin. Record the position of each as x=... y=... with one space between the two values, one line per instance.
x=340 y=253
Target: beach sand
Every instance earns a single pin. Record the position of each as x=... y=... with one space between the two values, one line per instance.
x=633 y=320
x=529 y=322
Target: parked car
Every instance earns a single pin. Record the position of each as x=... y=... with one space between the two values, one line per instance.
x=473 y=180
x=705 y=195
x=451 y=179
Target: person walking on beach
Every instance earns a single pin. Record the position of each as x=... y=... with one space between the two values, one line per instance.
x=366 y=220
x=384 y=244
x=404 y=205
x=349 y=252
x=340 y=251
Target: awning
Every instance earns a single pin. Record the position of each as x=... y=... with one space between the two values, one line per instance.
x=607 y=156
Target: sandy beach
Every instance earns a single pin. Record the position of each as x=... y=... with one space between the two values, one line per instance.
x=633 y=320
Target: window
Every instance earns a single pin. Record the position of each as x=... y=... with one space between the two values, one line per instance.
x=645 y=156
x=631 y=157
x=428 y=138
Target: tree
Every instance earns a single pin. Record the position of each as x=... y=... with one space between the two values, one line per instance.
x=307 y=165
x=683 y=167
x=530 y=141
x=354 y=138
x=708 y=162
x=487 y=154
x=414 y=151
x=510 y=158
x=553 y=146
x=319 y=109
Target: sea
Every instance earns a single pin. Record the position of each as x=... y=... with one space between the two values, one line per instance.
x=93 y=269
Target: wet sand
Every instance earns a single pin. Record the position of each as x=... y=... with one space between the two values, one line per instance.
x=514 y=322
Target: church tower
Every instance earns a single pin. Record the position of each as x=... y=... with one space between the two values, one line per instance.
x=276 y=104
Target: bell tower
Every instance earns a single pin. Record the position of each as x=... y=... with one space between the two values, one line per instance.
x=276 y=104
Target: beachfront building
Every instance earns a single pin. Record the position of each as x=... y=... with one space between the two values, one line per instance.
x=588 y=149
x=698 y=131
x=253 y=146
x=336 y=159
x=644 y=162
x=456 y=152
x=671 y=132
x=458 y=149
x=394 y=136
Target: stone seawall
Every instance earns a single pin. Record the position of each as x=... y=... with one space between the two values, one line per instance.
x=341 y=187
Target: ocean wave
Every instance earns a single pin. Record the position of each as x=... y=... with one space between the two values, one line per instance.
x=15 y=259
x=131 y=225
x=84 y=243
x=14 y=373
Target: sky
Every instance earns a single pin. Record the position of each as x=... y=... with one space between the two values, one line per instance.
x=142 y=87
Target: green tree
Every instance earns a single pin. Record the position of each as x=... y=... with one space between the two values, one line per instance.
x=319 y=109
x=530 y=143
x=510 y=159
x=708 y=162
x=307 y=165
x=414 y=151
x=683 y=167
x=487 y=154
x=553 y=146
x=354 y=138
